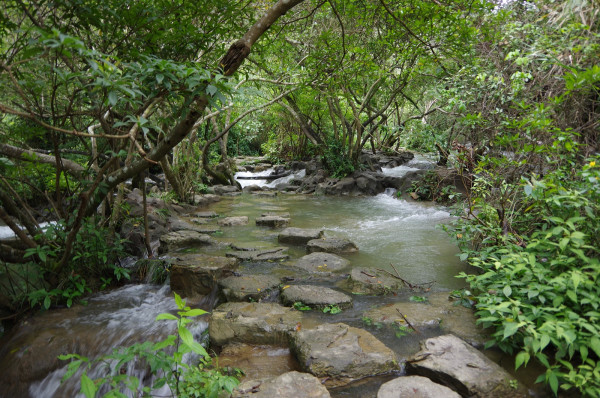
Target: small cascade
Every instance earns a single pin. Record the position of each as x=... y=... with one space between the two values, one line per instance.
x=253 y=180
x=390 y=192
x=286 y=179
x=419 y=162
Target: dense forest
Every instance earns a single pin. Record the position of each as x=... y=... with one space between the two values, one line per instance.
x=505 y=93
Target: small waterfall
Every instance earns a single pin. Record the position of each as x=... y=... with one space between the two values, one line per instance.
x=390 y=192
x=286 y=179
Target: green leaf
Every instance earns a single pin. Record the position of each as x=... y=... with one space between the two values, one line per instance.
x=544 y=341
x=188 y=340
x=211 y=90
x=507 y=291
x=88 y=388
x=528 y=190
x=179 y=301
x=553 y=381
x=595 y=345
x=47 y=302
x=166 y=316
x=112 y=98
x=159 y=78
x=510 y=328
x=522 y=358
x=194 y=312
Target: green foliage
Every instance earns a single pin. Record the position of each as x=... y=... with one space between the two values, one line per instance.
x=165 y=360
x=335 y=159
x=418 y=299
x=463 y=297
x=332 y=309
x=539 y=291
x=300 y=306
x=432 y=188
x=401 y=330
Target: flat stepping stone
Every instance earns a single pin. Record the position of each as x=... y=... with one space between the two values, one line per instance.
x=341 y=353
x=299 y=236
x=205 y=214
x=273 y=221
x=418 y=314
x=414 y=387
x=182 y=225
x=373 y=282
x=274 y=254
x=195 y=274
x=331 y=245
x=226 y=190
x=289 y=385
x=258 y=361
x=247 y=287
x=252 y=323
x=179 y=239
x=450 y=361
x=315 y=296
x=231 y=221
x=322 y=263
x=276 y=214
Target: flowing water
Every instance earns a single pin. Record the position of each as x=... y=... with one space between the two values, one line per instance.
x=392 y=234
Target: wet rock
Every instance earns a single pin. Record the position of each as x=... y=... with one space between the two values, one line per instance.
x=450 y=361
x=320 y=262
x=273 y=221
x=253 y=323
x=248 y=287
x=205 y=200
x=299 y=236
x=231 y=221
x=418 y=314
x=224 y=190
x=274 y=254
x=177 y=224
x=315 y=296
x=196 y=274
x=178 y=239
x=199 y=220
x=258 y=361
x=276 y=214
x=206 y=214
x=414 y=387
x=458 y=320
x=331 y=245
x=341 y=353
x=289 y=385
x=252 y=188
x=372 y=281
x=265 y=194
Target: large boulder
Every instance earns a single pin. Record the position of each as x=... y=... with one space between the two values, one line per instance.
x=373 y=281
x=176 y=224
x=322 y=263
x=331 y=245
x=226 y=190
x=341 y=353
x=183 y=239
x=288 y=385
x=273 y=221
x=414 y=387
x=258 y=255
x=418 y=314
x=258 y=361
x=232 y=221
x=248 y=287
x=196 y=274
x=450 y=361
x=252 y=323
x=315 y=296
x=299 y=236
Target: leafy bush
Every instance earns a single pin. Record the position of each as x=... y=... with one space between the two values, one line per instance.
x=335 y=159
x=539 y=289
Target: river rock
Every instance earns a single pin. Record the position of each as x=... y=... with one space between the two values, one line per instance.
x=274 y=254
x=206 y=199
x=315 y=296
x=341 y=353
x=178 y=239
x=373 y=281
x=320 y=262
x=289 y=385
x=252 y=188
x=258 y=361
x=248 y=287
x=265 y=194
x=418 y=314
x=226 y=190
x=231 y=221
x=414 y=387
x=177 y=224
x=273 y=221
x=284 y=214
x=253 y=323
x=205 y=214
x=299 y=236
x=450 y=361
x=196 y=274
x=331 y=245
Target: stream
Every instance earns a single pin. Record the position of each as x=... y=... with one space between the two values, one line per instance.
x=392 y=234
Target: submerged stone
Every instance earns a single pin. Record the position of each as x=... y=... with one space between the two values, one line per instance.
x=197 y=274
x=341 y=353
x=232 y=221
x=415 y=387
x=258 y=361
x=272 y=221
x=373 y=281
x=320 y=262
x=450 y=361
x=299 y=236
x=253 y=323
x=288 y=385
x=248 y=287
x=315 y=296
x=331 y=245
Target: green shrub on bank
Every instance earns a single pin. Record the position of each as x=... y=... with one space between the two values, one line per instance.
x=538 y=287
